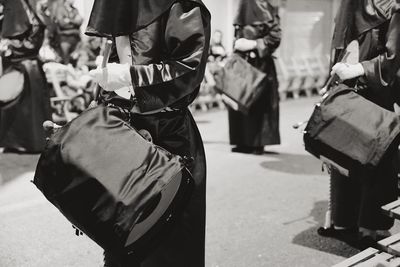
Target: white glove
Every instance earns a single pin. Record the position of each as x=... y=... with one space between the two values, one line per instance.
x=245 y=45
x=348 y=71
x=113 y=77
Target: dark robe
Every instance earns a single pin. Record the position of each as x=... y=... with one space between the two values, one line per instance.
x=169 y=57
x=1 y=15
x=217 y=52
x=64 y=30
x=357 y=201
x=260 y=127
x=21 y=119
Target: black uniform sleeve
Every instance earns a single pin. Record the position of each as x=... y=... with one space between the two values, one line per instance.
x=381 y=71
x=187 y=36
x=270 y=42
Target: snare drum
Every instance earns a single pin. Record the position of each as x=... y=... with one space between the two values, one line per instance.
x=110 y=182
x=11 y=85
x=350 y=132
x=240 y=83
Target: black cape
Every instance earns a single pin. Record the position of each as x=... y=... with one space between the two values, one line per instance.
x=16 y=22
x=19 y=16
x=21 y=119
x=355 y=17
x=254 y=11
x=122 y=17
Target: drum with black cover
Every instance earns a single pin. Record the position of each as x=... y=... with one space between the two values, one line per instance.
x=118 y=188
x=350 y=132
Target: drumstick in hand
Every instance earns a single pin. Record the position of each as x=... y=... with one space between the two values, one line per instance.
x=106 y=57
x=299 y=124
x=332 y=78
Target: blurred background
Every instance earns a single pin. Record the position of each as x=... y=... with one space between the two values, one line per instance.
x=306 y=23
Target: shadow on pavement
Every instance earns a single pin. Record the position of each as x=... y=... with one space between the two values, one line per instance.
x=205 y=142
x=310 y=239
x=203 y=121
x=13 y=165
x=294 y=164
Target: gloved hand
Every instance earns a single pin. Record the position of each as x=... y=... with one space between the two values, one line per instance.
x=245 y=45
x=113 y=77
x=348 y=71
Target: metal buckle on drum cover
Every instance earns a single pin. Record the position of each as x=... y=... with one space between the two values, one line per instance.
x=335 y=166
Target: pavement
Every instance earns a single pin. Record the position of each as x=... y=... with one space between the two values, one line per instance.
x=261 y=210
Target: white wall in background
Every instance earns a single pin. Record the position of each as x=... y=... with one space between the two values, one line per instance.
x=306 y=23
x=222 y=15
x=222 y=12
x=309 y=25
x=84 y=7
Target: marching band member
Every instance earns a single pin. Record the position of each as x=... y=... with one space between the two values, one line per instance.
x=68 y=21
x=161 y=53
x=21 y=119
x=1 y=14
x=258 y=35
x=357 y=200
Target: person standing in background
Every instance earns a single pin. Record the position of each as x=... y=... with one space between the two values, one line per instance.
x=69 y=21
x=21 y=119
x=93 y=48
x=1 y=15
x=258 y=35
x=217 y=49
x=357 y=199
x=2 y=43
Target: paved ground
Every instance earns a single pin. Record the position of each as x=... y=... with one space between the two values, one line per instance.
x=262 y=210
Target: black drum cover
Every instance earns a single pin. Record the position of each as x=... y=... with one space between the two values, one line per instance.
x=121 y=190
x=351 y=131
x=241 y=82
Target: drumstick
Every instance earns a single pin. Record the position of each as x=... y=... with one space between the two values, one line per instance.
x=106 y=57
x=299 y=124
x=325 y=89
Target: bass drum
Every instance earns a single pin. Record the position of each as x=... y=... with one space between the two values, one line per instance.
x=11 y=86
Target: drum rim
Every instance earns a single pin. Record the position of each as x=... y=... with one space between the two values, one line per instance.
x=168 y=195
x=20 y=88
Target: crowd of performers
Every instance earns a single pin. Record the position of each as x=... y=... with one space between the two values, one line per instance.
x=21 y=118
x=158 y=62
x=34 y=33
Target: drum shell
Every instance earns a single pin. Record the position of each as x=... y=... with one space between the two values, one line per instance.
x=11 y=85
x=351 y=131
x=101 y=174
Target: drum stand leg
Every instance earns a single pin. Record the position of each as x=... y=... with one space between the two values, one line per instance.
x=328 y=215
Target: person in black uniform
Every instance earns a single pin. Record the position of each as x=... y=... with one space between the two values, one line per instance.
x=258 y=35
x=159 y=61
x=356 y=200
x=21 y=119
x=1 y=14
x=68 y=21
x=217 y=49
